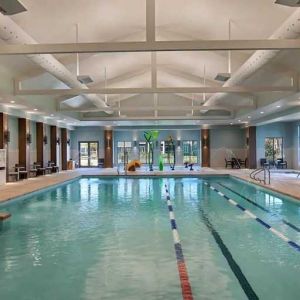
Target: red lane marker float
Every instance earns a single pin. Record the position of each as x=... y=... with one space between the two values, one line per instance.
x=182 y=270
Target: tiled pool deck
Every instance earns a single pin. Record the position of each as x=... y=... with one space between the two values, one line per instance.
x=286 y=183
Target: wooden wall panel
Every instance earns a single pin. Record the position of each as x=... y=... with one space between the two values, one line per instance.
x=3 y=137
x=108 y=149
x=40 y=147
x=24 y=153
x=205 y=147
x=64 y=146
x=53 y=144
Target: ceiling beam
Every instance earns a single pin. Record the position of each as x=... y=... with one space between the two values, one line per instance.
x=147 y=108
x=203 y=45
x=160 y=118
x=146 y=90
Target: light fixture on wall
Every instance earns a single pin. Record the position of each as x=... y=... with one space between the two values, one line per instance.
x=6 y=136
x=68 y=142
x=204 y=142
x=58 y=141
x=45 y=140
x=28 y=138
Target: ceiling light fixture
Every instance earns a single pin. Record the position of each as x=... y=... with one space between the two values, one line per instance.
x=278 y=106
x=84 y=79
x=249 y=117
x=225 y=76
x=35 y=109
x=262 y=112
x=12 y=101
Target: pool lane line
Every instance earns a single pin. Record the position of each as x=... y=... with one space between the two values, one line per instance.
x=182 y=270
x=261 y=207
x=294 y=245
x=244 y=283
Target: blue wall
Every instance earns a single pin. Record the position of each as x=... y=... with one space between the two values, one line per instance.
x=164 y=134
x=92 y=134
x=284 y=130
x=227 y=142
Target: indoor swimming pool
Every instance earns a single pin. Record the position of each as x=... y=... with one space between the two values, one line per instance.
x=114 y=238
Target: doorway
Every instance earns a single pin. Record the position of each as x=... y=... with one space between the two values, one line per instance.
x=88 y=154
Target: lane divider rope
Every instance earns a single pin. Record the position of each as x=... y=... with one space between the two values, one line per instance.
x=261 y=207
x=294 y=245
x=182 y=270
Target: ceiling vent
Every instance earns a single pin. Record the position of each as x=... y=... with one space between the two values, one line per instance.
x=11 y=7
x=85 y=79
x=223 y=77
x=294 y=3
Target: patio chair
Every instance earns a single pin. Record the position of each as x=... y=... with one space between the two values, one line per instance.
x=12 y=173
x=281 y=164
x=264 y=163
x=23 y=173
x=228 y=163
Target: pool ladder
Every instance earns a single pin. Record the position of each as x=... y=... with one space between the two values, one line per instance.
x=267 y=175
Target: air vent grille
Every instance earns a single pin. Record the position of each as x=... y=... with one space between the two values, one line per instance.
x=11 y=7
x=293 y=3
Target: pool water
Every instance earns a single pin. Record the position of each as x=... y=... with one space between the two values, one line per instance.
x=97 y=238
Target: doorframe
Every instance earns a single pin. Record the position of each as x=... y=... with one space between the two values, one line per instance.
x=79 y=154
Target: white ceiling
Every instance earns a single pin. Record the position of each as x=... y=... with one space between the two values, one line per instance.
x=53 y=21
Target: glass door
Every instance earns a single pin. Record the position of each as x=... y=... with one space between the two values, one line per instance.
x=88 y=154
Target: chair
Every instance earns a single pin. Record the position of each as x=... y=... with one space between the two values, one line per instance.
x=23 y=173
x=53 y=166
x=235 y=163
x=228 y=163
x=33 y=171
x=281 y=164
x=264 y=163
x=101 y=162
x=40 y=169
x=14 y=174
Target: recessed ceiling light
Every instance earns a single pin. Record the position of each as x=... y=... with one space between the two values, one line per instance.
x=239 y=120
x=51 y=115
x=231 y=123
x=12 y=101
x=249 y=117
x=262 y=112
x=278 y=106
x=35 y=109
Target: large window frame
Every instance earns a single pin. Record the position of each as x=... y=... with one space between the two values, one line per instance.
x=190 y=151
x=274 y=148
x=92 y=161
x=120 y=150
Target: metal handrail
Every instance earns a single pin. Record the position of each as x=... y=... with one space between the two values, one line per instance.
x=267 y=175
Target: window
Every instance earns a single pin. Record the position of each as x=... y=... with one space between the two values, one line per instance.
x=190 y=151
x=273 y=148
x=167 y=152
x=143 y=152
x=124 y=147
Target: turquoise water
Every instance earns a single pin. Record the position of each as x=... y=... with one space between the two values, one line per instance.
x=111 y=239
